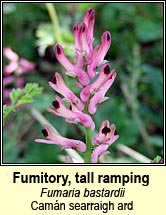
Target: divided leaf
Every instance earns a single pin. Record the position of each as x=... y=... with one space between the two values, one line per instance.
x=21 y=96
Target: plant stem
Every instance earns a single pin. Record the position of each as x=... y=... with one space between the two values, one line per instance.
x=87 y=154
x=132 y=153
x=55 y=22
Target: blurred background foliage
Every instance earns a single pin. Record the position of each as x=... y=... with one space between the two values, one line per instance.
x=136 y=98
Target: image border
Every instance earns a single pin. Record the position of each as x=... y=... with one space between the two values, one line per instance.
x=83 y=164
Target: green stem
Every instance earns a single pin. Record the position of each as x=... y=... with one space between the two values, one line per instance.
x=54 y=19
x=87 y=154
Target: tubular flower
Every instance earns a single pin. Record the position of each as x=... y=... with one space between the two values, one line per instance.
x=65 y=143
x=98 y=58
x=89 y=20
x=59 y=86
x=94 y=86
x=104 y=75
x=77 y=45
x=100 y=96
x=98 y=151
x=83 y=38
x=71 y=70
x=75 y=116
x=107 y=134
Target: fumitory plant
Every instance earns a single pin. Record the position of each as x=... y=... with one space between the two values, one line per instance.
x=94 y=86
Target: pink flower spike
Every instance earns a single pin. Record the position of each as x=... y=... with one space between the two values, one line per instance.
x=65 y=143
x=100 y=95
x=100 y=55
x=71 y=70
x=98 y=151
x=59 y=86
x=104 y=75
x=107 y=134
x=10 y=54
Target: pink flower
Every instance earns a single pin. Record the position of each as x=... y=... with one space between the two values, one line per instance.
x=59 y=86
x=83 y=38
x=100 y=95
x=107 y=134
x=19 y=65
x=11 y=67
x=98 y=151
x=71 y=70
x=78 y=50
x=104 y=75
x=99 y=56
x=10 y=54
x=89 y=20
x=72 y=116
x=65 y=143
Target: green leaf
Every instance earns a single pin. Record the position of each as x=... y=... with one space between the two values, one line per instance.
x=15 y=94
x=33 y=89
x=22 y=96
x=29 y=87
x=7 y=110
x=24 y=100
x=36 y=91
x=156 y=159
